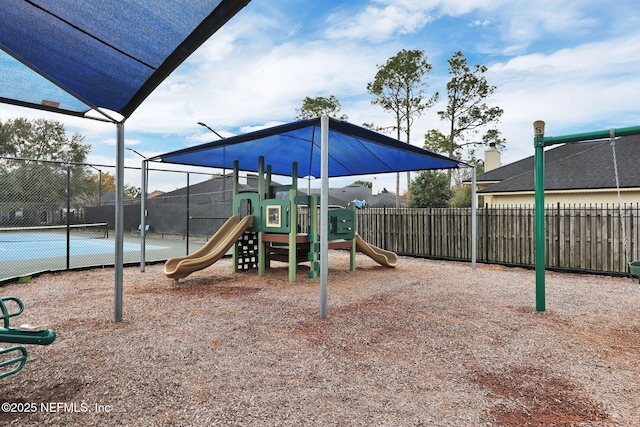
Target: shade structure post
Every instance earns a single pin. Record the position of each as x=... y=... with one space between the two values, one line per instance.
x=324 y=209
x=119 y=222
x=262 y=255
x=294 y=176
x=236 y=175
x=293 y=242
x=187 y=231
x=68 y=216
x=261 y=189
x=234 y=189
x=268 y=181
x=538 y=143
x=474 y=219
x=143 y=215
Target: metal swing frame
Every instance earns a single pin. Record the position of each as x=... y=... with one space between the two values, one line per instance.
x=540 y=142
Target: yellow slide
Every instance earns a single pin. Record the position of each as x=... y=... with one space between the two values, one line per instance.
x=381 y=256
x=212 y=251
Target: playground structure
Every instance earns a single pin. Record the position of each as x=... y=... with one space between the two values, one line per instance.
x=265 y=228
x=24 y=334
x=540 y=142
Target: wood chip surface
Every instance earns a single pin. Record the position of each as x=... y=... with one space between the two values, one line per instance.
x=429 y=343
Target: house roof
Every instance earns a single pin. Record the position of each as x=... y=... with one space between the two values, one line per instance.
x=344 y=195
x=213 y=185
x=384 y=199
x=155 y=193
x=575 y=166
x=333 y=201
x=348 y=193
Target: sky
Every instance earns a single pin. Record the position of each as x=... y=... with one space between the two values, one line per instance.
x=575 y=65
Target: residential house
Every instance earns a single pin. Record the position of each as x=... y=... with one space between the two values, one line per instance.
x=576 y=173
x=344 y=195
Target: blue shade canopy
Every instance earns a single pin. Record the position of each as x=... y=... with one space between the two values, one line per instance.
x=353 y=150
x=73 y=56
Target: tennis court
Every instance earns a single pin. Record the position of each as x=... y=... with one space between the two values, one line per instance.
x=26 y=243
x=15 y=250
x=30 y=250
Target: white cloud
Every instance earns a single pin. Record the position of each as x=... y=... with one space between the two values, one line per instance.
x=523 y=23
x=613 y=56
x=252 y=89
x=378 y=23
x=588 y=87
x=269 y=124
x=256 y=70
x=480 y=23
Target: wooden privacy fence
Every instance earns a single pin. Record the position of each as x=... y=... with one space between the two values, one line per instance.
x=578 y=238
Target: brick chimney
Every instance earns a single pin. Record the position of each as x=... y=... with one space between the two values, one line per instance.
x=491 y=158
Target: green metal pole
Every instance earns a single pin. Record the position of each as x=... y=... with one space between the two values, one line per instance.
x=293 y=234
x=314 y=238
x=589 y=136
x=538 y=143
x=293 y=231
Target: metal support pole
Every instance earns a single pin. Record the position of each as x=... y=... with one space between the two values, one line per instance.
x=538 y=143
x=293 y=241
x=268 y=181
x=236 y=175
x=188 y=213
x=68 y=222
x=261 y=189
x=294 y=176
x=119 y=221
x=234 y=253
x=293 y=222
x=100 y=187
x=324 y=209
x=588 y=136
x=143 y=216
x=262 y=255
x=474 y=219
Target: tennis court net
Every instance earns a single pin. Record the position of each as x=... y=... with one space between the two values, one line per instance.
x=54 y=232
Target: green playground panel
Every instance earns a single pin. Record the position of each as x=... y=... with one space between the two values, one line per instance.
x=275 y=214
x=16 y=336
x=342 y=224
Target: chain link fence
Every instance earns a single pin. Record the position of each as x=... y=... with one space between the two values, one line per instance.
x=59 y=216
